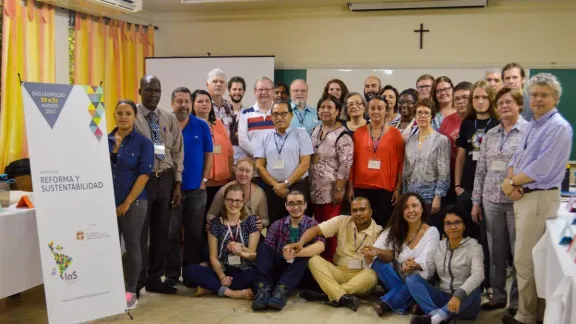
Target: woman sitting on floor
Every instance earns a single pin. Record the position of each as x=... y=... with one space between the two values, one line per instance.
x=404 y=248
x=232 y=242
x=459 y=262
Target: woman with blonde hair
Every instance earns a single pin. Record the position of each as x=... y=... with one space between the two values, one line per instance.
x=232 y=241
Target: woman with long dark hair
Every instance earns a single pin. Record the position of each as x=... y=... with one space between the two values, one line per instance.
x=404 y=248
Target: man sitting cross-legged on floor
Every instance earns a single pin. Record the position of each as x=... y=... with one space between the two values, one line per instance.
x=277 y=259
x=350 y=274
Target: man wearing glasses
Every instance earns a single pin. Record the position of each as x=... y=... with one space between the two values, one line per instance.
x=424 y=86
x=306 y=116
x=278 y=256
x=282 y=160
x=256 y=121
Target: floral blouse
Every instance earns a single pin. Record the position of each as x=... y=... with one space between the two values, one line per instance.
x=332 y=160
x=496 y=150
x=427 y=171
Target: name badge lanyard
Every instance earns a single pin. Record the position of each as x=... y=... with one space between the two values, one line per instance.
x=320 y=140
x=301 y=117
x=364 y=239
x=483 y=130
x=375 y=142
x=279 y=148
x=232 y=236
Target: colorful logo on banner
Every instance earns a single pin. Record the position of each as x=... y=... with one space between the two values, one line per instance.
x=49 y=99
x=96 y=109
x=62 y=261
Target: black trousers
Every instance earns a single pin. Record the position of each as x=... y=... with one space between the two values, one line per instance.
x=157 y=224
x=381 y=202
x=277 y=205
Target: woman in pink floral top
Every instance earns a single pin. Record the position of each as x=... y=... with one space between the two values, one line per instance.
x=330 y=167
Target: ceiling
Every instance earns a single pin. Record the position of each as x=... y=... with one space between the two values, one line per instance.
x=175 y=6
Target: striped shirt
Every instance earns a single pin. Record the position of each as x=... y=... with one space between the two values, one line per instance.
x=252 y=126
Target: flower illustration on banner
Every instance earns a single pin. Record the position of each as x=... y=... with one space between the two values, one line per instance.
x=95 y=109
x=62 y=261
x=80 y=236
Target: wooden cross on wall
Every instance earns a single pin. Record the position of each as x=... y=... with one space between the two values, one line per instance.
x=421 y=31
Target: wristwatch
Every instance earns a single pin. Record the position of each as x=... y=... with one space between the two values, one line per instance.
x=511 y=182
x=288 y=183
x=205 y=180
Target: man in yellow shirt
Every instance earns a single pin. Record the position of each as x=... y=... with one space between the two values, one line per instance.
x=350 y=274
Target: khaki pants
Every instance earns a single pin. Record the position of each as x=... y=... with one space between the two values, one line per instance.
x=530 y=213
x=336 y=281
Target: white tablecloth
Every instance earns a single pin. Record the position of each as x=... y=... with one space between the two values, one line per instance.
x=20 y=267
x=555 y=272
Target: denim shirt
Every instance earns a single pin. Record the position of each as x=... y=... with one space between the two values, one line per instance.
x=135 y=158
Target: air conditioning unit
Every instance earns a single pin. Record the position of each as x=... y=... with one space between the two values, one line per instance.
x=99 y=7
x=414 y=5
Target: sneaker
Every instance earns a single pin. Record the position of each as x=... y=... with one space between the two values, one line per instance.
x=423 y=319
x=171 y=282
x=490 y=306
x=279 y=297
x=262 y=297
x=131 y=301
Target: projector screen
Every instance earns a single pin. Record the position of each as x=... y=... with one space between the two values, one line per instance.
x=192 y=72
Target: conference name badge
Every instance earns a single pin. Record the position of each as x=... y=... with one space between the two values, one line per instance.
x=217 y=149
x=234 y=260
x=159 y=149
x=475 y=155
x=498 y=166
x=374 y=164
x=355 y=264
x=278 y=165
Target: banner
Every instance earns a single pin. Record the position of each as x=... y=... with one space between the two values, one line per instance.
x=74 y=198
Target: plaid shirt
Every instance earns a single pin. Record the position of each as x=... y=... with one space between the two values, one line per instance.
x=278 y=234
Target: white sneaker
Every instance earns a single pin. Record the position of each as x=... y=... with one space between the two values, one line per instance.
x=131 y=301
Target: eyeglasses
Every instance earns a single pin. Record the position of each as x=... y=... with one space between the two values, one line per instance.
x=234 y=201
x=263 y=90
x=282 y=114
x=424 y=87
x=536 y=95
x=357 y=104
x=504 y=103
x=443 y=90
x=293 y=204
x=457 y=223
x=423 y=114
x=463 y=98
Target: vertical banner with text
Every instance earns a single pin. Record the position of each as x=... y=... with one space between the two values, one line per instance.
x=74 y=198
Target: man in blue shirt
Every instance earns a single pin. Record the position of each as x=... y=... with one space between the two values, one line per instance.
x=197 y=142
x=535 y=174
x=306 y=117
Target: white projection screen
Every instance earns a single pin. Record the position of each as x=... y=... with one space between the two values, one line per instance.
x=191 y=72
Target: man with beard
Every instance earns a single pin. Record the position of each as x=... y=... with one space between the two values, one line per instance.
x=163 y=188
x=306 y=116
x=216 y=84
x=372 y=87
x=198 y=160
x=236 y=89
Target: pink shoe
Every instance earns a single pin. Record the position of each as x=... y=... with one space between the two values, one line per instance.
x=131 y=301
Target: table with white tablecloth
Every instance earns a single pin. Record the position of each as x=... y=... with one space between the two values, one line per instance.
x=20 y=267
x=555 y=272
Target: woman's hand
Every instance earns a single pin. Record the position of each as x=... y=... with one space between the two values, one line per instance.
x=288 y=252
x=395 y=196
x=350 y=195
x=122 y=209
x=208 y=224
x=226 y=281
x=235 y=247
x=476 y=214
x=436 y=203
x=454 y=305
x=459 y=190
x=337 y=196
x=259 y=224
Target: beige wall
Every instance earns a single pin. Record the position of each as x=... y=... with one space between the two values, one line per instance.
x=535 y=35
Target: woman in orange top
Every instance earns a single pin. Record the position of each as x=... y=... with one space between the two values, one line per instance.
x=378 y=160
x=223 y=164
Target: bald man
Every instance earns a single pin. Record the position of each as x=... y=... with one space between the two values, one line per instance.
x=305 y=117
x=372 y=87
x=163 y=188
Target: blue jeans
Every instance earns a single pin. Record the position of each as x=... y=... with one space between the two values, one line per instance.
x=207 y=278
x=398 y=296
x=271 y=265
x=432 y=300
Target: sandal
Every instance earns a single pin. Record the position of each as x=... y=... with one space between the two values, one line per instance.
x=416 y=310
x=489 y=293
x=199 y=292
x=248 y=293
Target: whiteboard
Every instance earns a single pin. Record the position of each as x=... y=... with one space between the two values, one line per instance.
x=192 y=72
x=401 y=79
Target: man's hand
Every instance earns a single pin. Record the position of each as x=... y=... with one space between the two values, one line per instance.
x=288 y=252
x=507 y=188
x=122 y=209
x=297 y=247
x=176 y=196
x=516 y=194
x=281 y=190
x=202 y=185
x=476 y=214
x=454 y=305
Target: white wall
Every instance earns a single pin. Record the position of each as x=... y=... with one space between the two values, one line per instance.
x=61 y=46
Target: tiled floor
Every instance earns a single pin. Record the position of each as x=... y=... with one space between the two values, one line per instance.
x=30 y=308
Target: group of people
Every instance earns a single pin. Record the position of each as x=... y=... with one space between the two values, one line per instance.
x=446 y=186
